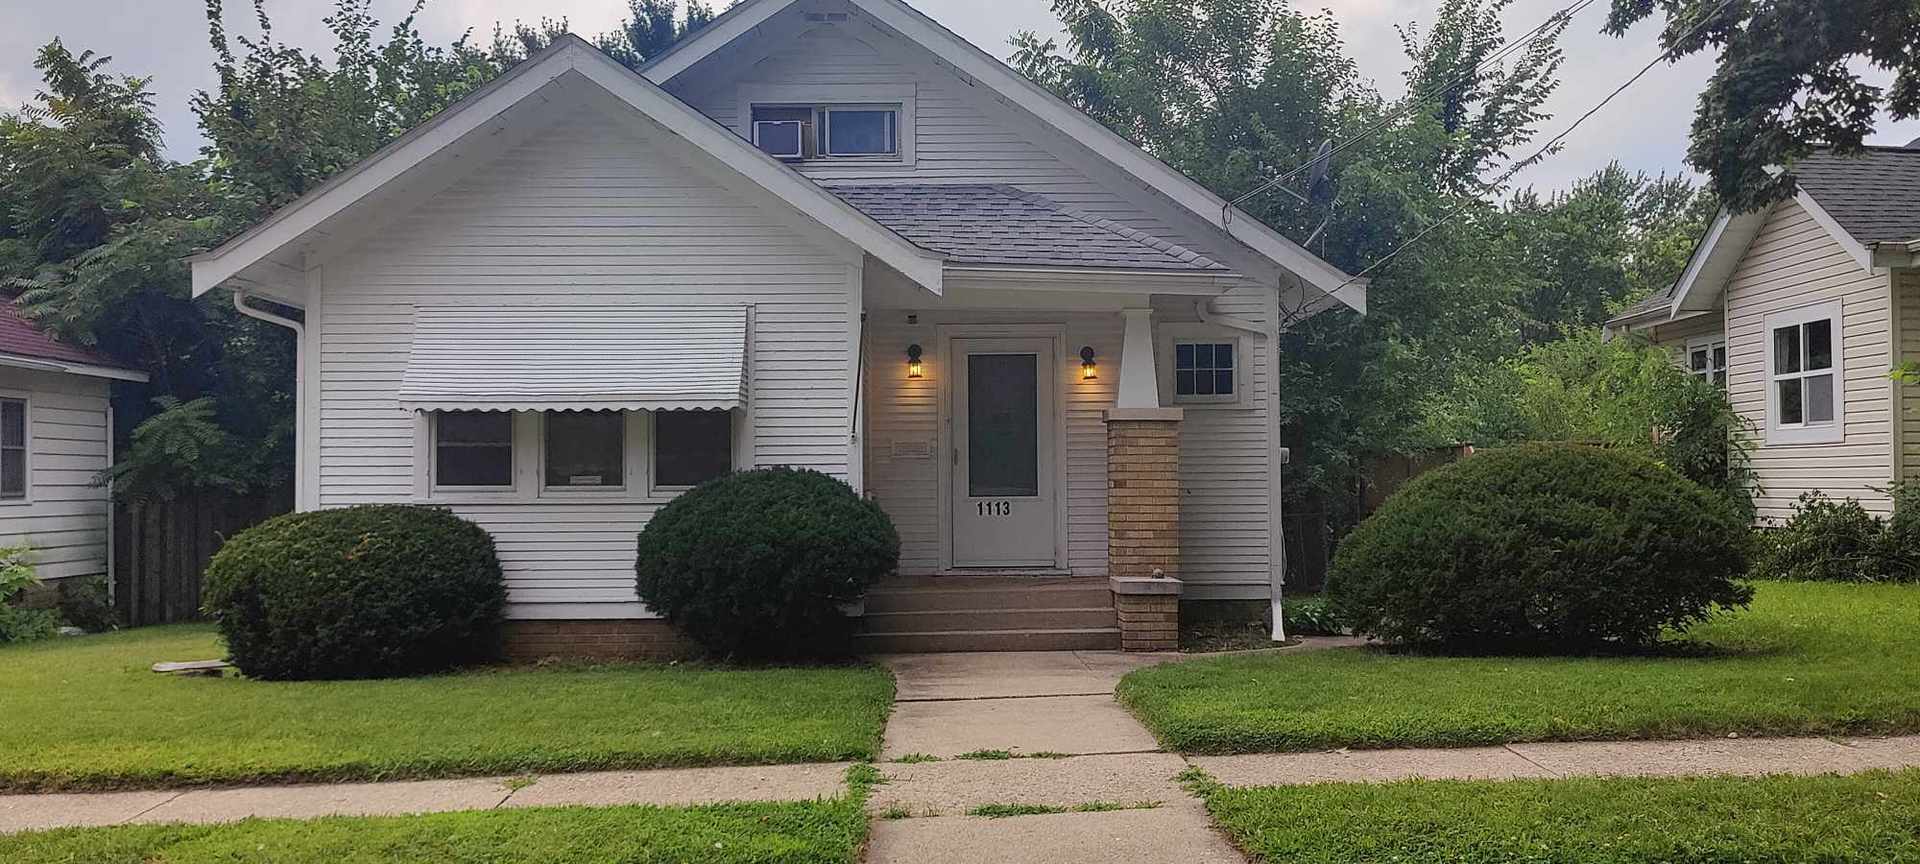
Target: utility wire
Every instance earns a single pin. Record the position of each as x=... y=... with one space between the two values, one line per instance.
x=1540 y=154
x=1415 y=101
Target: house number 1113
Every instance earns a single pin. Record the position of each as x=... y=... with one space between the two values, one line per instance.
x=994 y=508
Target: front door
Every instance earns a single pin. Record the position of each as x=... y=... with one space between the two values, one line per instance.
x=1003 y=453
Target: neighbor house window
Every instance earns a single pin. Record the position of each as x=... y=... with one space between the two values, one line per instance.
x=473 y=449
x=1804 y=375
x=691 y=447
x=1204 y=371
x=1707 y=360
x=586 y=449
x=13 y=448
x=811 y=131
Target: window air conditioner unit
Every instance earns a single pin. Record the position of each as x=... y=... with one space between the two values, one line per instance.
x=781 y=139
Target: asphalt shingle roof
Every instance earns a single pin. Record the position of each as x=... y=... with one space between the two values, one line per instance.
x=20 y=338
x=1874 y=195
x=1000 y=224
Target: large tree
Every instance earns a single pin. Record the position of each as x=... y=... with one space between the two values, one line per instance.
x=1789 y=79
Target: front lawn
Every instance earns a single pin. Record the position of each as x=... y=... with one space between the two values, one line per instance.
x=1869 y=818
x=87 y=714
x=1807 y=659
x=822 y=832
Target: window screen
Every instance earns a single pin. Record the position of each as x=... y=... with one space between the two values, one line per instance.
x=586 y=449
x=473 y=449
x=691 y=447
x=13 y=448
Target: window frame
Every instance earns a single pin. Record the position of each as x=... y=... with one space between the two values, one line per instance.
x=823 y=127
x=437 y=489
x=821 y=98
x=630 y=477
x=26 y=446
x=1708 y=342
x=1173 y=335
x=657 y=489
x=1803 y=432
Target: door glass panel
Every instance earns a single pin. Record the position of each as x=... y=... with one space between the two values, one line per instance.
x=1790 y=407
x=1786 y=349
x=1003 y=425
x=1819 y=398
x=1819 y=344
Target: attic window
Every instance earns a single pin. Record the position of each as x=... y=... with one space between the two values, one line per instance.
x=800 y=132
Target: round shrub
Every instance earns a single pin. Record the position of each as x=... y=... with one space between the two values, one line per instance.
x=760 y=564
x=373 y=591
x=1542 y=547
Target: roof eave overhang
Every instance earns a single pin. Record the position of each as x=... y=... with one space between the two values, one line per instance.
x=246 y=253
x=1016 y=89
x=91 y=370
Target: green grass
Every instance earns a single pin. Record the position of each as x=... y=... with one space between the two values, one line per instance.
x=819 y=832
x=1807 y=659
x=1867 y=818
x=1002 y=811
x=986 y=755
x=100 y=719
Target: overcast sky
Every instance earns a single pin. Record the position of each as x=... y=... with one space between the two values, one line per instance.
x=1644 y=129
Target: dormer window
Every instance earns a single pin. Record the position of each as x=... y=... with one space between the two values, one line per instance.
x=799 y=132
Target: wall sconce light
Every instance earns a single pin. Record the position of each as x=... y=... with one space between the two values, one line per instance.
x=1087 y=372
x=913 y=361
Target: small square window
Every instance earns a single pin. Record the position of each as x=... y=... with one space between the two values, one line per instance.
x=691 y=447
x=1204 y=370
x=473 y=449
x=586 y=449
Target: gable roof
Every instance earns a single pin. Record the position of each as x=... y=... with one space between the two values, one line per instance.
x=1001 y=224
x=573 y=57
x=24 y=345
x=1874 y=195
x=1017 y=90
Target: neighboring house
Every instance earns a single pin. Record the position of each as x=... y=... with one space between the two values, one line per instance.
x=827 y=234
x=1801 y=310
x=56 y=433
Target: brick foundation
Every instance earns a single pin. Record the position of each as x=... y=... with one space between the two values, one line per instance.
x=602 y=639
x=1143 y=492
x=1149 y=613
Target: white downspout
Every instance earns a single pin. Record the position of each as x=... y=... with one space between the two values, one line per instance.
x=299 y=389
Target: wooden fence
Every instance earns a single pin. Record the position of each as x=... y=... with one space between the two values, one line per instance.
x=161 y=548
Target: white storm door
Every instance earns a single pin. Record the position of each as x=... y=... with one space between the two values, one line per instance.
x=1003 y=453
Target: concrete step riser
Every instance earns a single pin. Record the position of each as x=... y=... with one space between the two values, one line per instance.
x=988 y=619
x=1007 y=640
x=989 y=598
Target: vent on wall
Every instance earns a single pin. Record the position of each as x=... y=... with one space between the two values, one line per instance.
x=823 y=17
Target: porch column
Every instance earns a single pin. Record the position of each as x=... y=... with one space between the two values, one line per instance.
x=1143 y=497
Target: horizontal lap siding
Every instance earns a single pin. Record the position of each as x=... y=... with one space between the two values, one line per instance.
x=65 y=517
x=585 y=214
x=1906 y=284
x=1674 y=336
x=954 y=140
x=1225 y=528
x=1791 y=264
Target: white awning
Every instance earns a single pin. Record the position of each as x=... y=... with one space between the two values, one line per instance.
x=531 y=359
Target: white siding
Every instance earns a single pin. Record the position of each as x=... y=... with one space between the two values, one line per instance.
x=1906 y=286
x=1223 y=452
x=64 y=517
x=1674 y=336
x=591 y=214
x=1795 y=263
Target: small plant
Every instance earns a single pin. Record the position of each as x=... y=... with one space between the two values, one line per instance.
x=986 y=755
x=1002 y=811
x=1311 y=616
x=1048 y=754
x=360 y=592
x=896 y=812
x=912 y=758
x=515 y=784
x=762 y=564
x=18 y=623
x=84 y=604
x=1110 y=806
x=1197 y=782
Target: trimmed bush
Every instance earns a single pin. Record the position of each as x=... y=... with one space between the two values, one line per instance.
x=374 y=591
x=1542 y=547
x=760 y=564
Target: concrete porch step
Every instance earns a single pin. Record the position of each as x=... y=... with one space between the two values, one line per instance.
x=1062 y=639
x=942 y=620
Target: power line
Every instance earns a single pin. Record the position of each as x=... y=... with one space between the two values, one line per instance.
x=1544 y=150
x=1414 y=101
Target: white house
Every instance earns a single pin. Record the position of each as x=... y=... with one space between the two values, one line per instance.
x=56 y=429
x=820 y=233
x=1800 y=310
